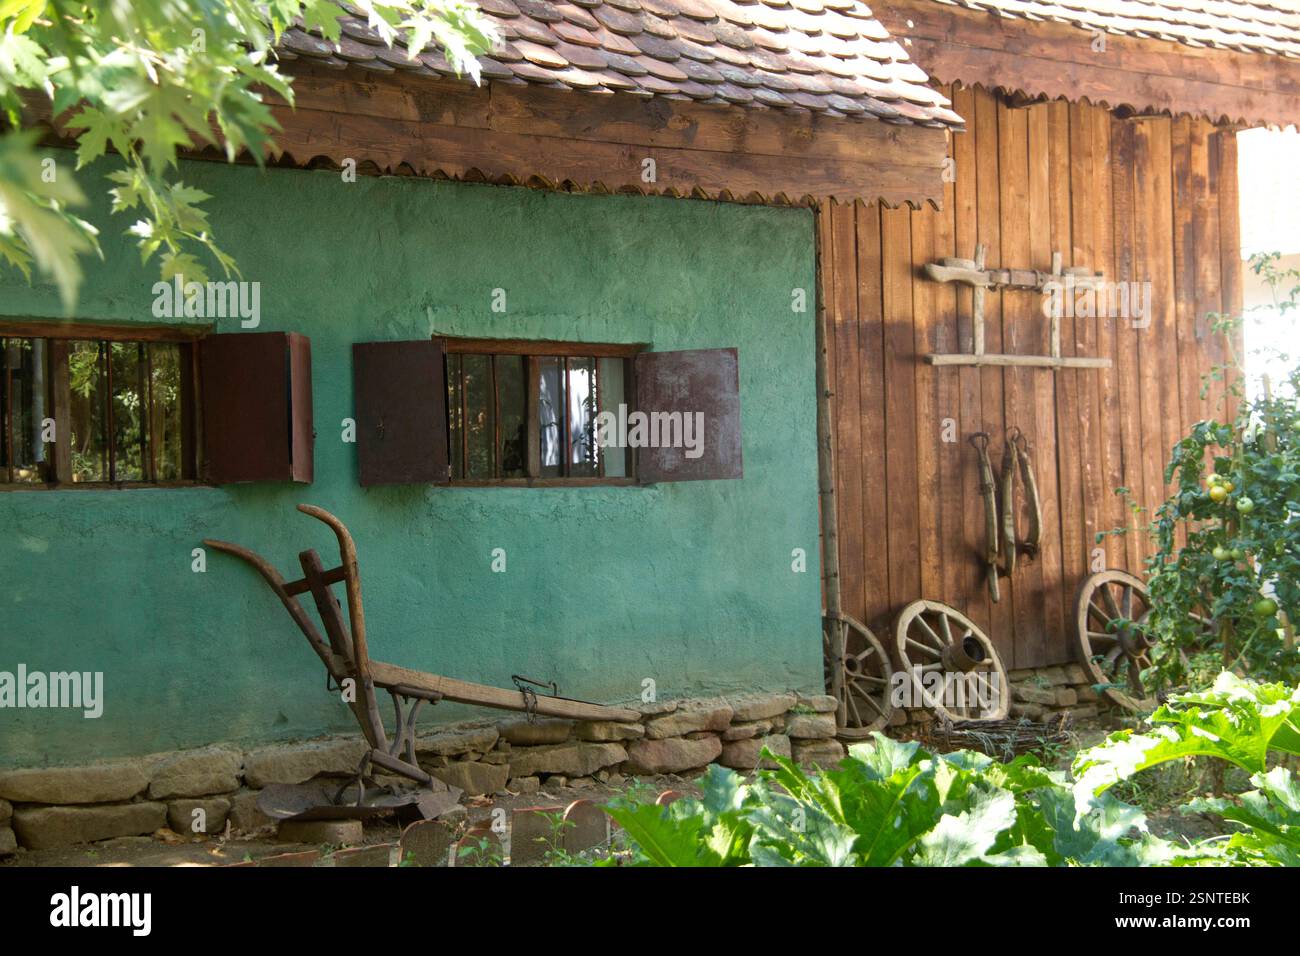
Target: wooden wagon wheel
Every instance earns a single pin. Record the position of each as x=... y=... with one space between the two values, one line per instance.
x=1114 y=649
x=954 y=668
x=864 y=696
x=1108 y=613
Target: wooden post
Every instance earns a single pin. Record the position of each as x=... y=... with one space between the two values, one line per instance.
x=826 y=478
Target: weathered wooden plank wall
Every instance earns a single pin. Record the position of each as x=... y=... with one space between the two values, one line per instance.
x=1140 y=200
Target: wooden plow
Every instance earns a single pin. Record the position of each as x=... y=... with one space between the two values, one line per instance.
x=345 y=653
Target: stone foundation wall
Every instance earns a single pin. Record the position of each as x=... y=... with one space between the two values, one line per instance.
x=1037 y=694
x=1045 y=691
x=42 y=808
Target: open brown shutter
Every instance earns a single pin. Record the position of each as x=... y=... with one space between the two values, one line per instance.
x=401 y=412
x=256 y=407
x=698 y=380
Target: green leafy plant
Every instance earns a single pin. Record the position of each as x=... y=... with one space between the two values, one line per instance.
x=892 y=803
x=888 y=804
x=1244 y=723
x=1270 y=817
x=1225 y=575
x=150 y=78
x=554 y=853
x=481 y=851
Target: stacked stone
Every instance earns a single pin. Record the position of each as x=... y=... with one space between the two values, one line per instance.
x=672 y=737
x=1045 y=691
x=42 y=808
x=1037 y=694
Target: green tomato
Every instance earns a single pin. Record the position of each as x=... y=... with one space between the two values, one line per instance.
x=1214 y=479
x=1218 y=493
x=1221 y=553
x=1228 y=486
x=1245 y=505
x=1237 y=554
x=1265 y=607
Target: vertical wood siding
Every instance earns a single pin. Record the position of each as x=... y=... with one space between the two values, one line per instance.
x=1140 y=200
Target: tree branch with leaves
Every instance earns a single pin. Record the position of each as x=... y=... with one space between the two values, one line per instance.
x=150 y=79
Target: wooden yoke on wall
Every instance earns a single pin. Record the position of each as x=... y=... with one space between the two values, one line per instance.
x=972 y=272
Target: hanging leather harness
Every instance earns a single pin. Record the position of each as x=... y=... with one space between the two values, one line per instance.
x=1000 y=545
x=980 y=442
x=1031 y=544
x=1007 y=499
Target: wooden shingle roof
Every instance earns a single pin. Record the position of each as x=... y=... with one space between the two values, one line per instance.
x=830 y=57
x=1241 y=25
x=1235 y=62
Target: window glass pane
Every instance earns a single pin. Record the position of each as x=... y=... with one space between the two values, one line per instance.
x=86 y=376
x=165 y=402
x=612 y=394
x=550 y=415
x=583 y=457
x=512 y=398
x=455 y=416
x=128 y=456
x=24 y=395
x=480 y=416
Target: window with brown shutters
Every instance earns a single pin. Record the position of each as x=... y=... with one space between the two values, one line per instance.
x=256 y=405
x=82 y=406
x=401 y=414
x=534 y=413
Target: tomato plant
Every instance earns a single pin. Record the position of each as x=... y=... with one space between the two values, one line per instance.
x=1225 y=576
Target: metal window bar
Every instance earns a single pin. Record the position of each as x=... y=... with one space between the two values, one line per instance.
x=568 y=437
x=464 y=419
x=107 y=454
x=152 y=412
x=144 y=414
x=597 y=452
x=8 y=413
x=496 y=419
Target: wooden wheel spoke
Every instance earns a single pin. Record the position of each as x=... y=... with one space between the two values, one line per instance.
x=1108 y=598
x=1101 y=614
x=874 y=706
x=938 y=641
x=946 y=627
x=924 y=648
x=1135 y=678
x=1127 y=604
x=851 y=705
x=1101 y=638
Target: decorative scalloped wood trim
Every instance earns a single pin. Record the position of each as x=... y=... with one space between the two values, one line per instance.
x=571 y=141
x=576 y=142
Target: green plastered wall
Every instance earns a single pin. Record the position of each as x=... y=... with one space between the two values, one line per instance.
x=689 y=585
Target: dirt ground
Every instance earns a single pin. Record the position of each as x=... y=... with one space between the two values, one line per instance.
x=166 y=848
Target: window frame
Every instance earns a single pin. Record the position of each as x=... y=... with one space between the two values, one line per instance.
x=533 y=350
x=58 y=335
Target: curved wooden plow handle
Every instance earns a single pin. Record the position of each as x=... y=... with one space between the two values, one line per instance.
x=352 y=580
x=276 y=583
